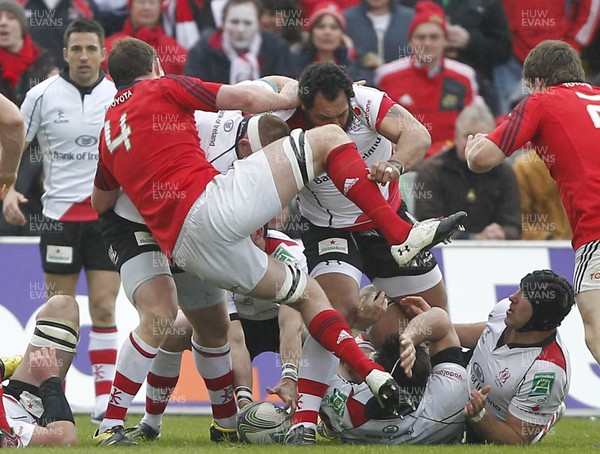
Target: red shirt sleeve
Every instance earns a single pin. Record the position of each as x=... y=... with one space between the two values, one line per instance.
x=384 y=107
x=191 y=93
x=104 y=179
x=519 y=128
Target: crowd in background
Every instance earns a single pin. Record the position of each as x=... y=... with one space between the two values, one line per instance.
x=434 y=58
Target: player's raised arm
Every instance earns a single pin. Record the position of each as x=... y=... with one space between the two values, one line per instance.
x=255 y=99
x=12 y=138
x=482 y=154
x=411 y=138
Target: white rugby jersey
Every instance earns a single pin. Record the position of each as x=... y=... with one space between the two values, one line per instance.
x=67 y=125
x=438 y=418
x=528 y=382
x=283 y=248
x=320 y=201
x=21 y=421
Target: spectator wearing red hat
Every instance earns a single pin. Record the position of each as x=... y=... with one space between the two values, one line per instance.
x=432 y=87
x=239 y=51
x=326 y=41
x=144 y=24
x=478 y=35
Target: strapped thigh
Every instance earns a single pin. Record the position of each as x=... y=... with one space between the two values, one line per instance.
x=300 y=155
x=55 y=332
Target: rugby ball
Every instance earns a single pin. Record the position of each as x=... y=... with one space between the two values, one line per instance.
x=262 y=423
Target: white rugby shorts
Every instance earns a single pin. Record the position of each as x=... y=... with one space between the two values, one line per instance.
x=214 y=242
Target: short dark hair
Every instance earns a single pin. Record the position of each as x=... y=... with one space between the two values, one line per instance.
x=272 y=128
x=84 y=26
x=230 y=3
x=387 y=356
x=129 y=59
x=326 y=78
x=553 y=62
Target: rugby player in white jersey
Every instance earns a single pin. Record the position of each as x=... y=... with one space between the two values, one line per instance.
x=65 y=113
x=33 y=408
x=435 y=378
x=519 y=373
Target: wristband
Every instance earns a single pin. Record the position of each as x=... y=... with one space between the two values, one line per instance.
x=289 y=370
x=478 y=417
x=398 y=165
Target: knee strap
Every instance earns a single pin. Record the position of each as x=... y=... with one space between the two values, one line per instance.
x=300 y=155
x=57 y=333
x=293 y=286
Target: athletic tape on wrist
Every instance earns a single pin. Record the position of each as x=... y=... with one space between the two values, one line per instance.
x=289 y=370
x=478 y=417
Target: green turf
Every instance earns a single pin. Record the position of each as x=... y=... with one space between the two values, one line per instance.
x=189 y=434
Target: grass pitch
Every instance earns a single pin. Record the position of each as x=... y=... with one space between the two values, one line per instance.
x=189 y=434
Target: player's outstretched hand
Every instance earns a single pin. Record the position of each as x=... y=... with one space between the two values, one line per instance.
x=287 y=390
x=408 y=354
x=290 y=92
x=413 y=306
x=10 y=208
x=476 y=402
x=371 y=307
x=43 y=364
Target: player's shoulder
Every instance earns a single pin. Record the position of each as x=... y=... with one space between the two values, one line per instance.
x=41 y=88
x=365 y=97
x=498 y=312
x=107 y=86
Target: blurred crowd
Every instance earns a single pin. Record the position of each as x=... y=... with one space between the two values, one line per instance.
x=437 y=59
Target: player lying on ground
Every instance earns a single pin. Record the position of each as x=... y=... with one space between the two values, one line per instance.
x=520 y=371
x=33 y=407
x=435 y=379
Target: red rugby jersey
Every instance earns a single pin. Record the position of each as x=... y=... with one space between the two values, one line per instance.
x=563 y=125
x=149 y=146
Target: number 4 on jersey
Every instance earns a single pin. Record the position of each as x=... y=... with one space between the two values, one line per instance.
x=592 y=109
x=121 y=139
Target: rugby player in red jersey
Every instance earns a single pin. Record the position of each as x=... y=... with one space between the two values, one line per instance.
x=561 y=119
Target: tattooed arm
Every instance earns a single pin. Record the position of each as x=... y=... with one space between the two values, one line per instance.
x=411 y=138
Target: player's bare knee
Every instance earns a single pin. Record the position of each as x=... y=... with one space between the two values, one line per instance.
x=57 y=324
x=62 y=307
x=323 y=138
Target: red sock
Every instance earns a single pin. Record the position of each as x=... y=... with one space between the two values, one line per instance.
x=330 y=330
x=3 y=421
x=158 y=392
x=348 y=172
